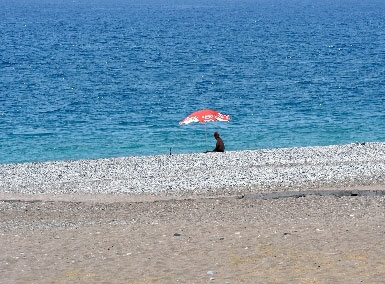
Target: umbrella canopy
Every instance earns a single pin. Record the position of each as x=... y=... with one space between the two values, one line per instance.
x=204 y=116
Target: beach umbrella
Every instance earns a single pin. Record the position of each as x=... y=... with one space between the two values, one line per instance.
x=204 y=116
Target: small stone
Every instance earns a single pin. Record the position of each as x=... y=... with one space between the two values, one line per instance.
x=177 y=235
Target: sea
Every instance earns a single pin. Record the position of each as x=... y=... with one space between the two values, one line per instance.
x=87 y=79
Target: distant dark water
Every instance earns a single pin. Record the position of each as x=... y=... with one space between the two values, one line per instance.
x=103 y=78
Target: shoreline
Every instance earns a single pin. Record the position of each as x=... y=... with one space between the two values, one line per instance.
x=337 y=167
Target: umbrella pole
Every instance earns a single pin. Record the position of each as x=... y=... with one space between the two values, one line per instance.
x=206 y=137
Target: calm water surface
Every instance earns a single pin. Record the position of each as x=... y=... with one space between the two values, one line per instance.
x=103 y=78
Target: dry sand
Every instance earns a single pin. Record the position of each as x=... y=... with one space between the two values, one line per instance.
x=290 y=240
x=247 y=235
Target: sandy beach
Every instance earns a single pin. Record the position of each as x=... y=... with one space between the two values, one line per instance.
x=296 y=215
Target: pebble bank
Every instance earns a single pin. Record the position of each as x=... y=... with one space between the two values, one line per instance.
x=283 y=169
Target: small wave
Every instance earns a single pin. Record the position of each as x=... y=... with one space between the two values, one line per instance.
x=6 y=64
x=32 y=134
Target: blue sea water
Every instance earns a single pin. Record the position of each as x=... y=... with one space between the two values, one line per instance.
x=110 y=78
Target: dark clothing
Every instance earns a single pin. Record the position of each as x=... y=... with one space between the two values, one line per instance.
x=220 y=146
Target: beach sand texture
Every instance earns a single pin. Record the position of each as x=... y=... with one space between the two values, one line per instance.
x=199 y=218
x=212 y=173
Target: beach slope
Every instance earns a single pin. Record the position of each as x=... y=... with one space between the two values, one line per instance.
x=295 y=215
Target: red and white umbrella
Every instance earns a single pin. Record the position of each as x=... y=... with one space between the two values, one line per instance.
x=203 y=116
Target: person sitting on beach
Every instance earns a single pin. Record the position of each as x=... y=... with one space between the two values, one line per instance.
x=220 y=146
